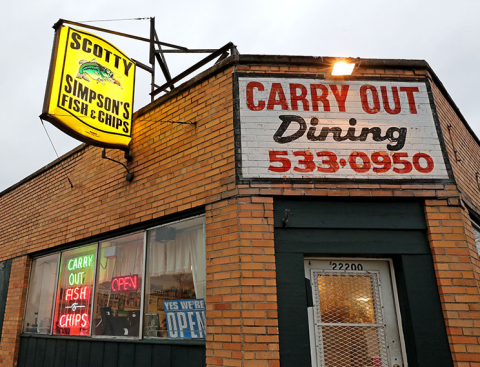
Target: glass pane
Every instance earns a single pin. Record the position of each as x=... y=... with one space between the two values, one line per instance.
x=119 y=286
x=38 y=314
x=175 y=273
x=346 y=299
x=74 y=292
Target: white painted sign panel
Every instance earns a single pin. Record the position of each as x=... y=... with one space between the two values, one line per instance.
x=311 y=128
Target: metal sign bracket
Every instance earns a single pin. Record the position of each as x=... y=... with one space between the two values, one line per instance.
x=130 y=175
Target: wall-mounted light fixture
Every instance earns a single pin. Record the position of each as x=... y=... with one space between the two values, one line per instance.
x=343 y=68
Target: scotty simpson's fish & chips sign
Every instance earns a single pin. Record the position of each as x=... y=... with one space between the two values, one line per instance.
x=90 y=89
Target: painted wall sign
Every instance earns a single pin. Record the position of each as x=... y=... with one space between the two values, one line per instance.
x=309 y=128
x=185 y=318
x=90 y=89
x=126 y=283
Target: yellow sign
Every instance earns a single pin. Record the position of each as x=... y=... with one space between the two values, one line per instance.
x=90 y=89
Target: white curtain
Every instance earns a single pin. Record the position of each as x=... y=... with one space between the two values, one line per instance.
x=127 y=261
x=185 y=254
x=42 y=287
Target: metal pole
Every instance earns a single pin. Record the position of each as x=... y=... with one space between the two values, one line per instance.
x=152 y=56
x=119 y=34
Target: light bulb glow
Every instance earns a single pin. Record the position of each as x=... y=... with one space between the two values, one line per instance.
x=343 y=68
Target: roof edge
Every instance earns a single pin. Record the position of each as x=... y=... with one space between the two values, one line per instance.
x=268 y=60
x=43 y=169
x=275 y=60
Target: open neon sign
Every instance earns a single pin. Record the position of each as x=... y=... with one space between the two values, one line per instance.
x=126 y=283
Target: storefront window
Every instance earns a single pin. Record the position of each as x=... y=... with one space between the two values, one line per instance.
x=97 y=290
x=175 y=282
x=43 y=278
x=74 y=292
x=119 y=286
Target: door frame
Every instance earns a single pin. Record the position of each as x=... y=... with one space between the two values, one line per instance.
x=393 y=285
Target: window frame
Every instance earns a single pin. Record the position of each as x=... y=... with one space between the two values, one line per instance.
x=149 y=337
x=95 y=275
x=142 y=295
x=58 y=253
x=476 y=227
x=56 y=287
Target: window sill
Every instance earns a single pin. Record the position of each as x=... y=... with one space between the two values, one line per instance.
x=118 y=339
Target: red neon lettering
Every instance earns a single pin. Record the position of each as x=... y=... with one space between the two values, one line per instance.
x=68 y=294
x=75 y=320
x=125 y=283
x=83 y=293
x=250 y=102
x=273 y=100
x=78 y=293
x=85 y=320
x=115 y=285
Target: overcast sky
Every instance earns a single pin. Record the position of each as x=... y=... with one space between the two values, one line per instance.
x=444 y=33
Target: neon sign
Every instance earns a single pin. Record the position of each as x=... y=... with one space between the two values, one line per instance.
x=77 y=294
x=75 y=320
x=80 y=262
x=126 y=283
x=74 y=294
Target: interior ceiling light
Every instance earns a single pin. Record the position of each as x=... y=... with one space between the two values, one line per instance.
x=343 y=68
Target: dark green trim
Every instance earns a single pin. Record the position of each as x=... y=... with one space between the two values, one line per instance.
x=422 y=312
x=339 y=241
x=47 y=351
x=129 y=341
x=292 y=310
x=350 y=213
x=5 y=267
x=329 y=228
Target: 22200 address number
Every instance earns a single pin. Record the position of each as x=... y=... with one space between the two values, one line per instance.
x=380 y=162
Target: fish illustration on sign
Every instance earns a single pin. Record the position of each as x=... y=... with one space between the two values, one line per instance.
x=92 y=69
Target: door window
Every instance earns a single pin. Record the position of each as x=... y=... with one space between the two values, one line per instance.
x=354 y=321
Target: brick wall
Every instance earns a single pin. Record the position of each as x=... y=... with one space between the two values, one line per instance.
x=241 y=290
x=178 y=167
x=456 y=266
x=12 y=324
x=465 y=161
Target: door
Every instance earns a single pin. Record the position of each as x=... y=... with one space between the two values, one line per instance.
x=354 y=321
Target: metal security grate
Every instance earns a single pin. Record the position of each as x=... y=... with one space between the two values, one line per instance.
x=349 y=319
